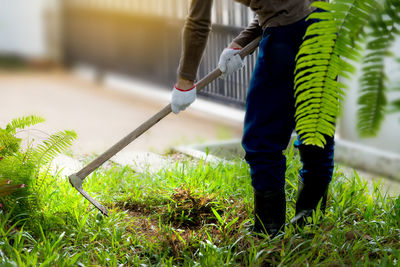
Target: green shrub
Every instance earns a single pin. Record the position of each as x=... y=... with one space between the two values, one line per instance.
x=20 y=176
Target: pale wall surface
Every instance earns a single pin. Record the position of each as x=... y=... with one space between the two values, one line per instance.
x=22 y=27
x=389 y=136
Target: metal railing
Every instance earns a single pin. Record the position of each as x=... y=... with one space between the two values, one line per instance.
x=142 y=38
x=225 y=12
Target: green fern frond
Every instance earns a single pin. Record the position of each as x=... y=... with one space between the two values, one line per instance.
x=53 y=146
x=373 y=81
x=395 y=105
x=373 y=102
x=9 y=144
x=329 y=47
x=23 y=122
x=392 y=9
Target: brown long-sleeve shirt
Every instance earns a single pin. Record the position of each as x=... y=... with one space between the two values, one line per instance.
x=269 y=13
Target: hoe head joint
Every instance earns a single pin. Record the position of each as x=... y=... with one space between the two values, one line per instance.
x=77 y=182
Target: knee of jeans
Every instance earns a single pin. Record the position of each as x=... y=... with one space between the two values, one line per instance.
x=268 y=177
x=264 y=158
x=316 y=154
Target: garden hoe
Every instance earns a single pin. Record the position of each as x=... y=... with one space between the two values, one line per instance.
x=76 y=179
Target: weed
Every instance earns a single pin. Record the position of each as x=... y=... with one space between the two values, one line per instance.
x=200 y=214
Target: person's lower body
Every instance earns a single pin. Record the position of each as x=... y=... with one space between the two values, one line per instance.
x=269 y=123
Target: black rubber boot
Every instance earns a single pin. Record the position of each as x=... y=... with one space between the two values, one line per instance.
x=308 y=197
x=269 y=212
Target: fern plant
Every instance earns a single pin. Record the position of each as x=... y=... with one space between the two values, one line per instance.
x=6 y=188
x=373 y=83
x=8 y=141
x=53 y=146
x=9 y=147
x=331 y=47
x=395 y=104
x=22 y=123
x=23 y=166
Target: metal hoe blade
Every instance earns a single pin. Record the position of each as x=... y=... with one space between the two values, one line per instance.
x=77 y=182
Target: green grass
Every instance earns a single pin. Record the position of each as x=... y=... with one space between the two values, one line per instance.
x=199 y=214
x=11 y=62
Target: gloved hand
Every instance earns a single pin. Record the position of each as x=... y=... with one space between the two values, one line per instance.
x=229 y=62
x=181 y=99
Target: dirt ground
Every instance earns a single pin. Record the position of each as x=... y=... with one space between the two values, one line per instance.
x=101 y=116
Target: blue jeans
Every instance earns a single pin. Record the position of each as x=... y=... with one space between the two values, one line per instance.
x=269 y=120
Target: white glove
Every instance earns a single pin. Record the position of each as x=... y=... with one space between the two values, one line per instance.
x=181 y=99
x=229 y=62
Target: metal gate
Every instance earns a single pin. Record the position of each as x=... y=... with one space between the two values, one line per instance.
x=142 y=38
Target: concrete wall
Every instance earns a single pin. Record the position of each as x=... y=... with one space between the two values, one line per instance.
x=22 y=28
x=388 y=138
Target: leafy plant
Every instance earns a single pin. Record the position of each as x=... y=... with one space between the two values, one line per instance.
x=22 y=166
x=395 y=104
x=373 y=100
x=6 y=187
x=331 y=47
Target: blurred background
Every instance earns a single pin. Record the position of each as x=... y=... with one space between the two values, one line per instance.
x=101 y=67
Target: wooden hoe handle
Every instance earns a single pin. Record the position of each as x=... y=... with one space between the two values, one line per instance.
x=156 y=118
x=76 y=179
